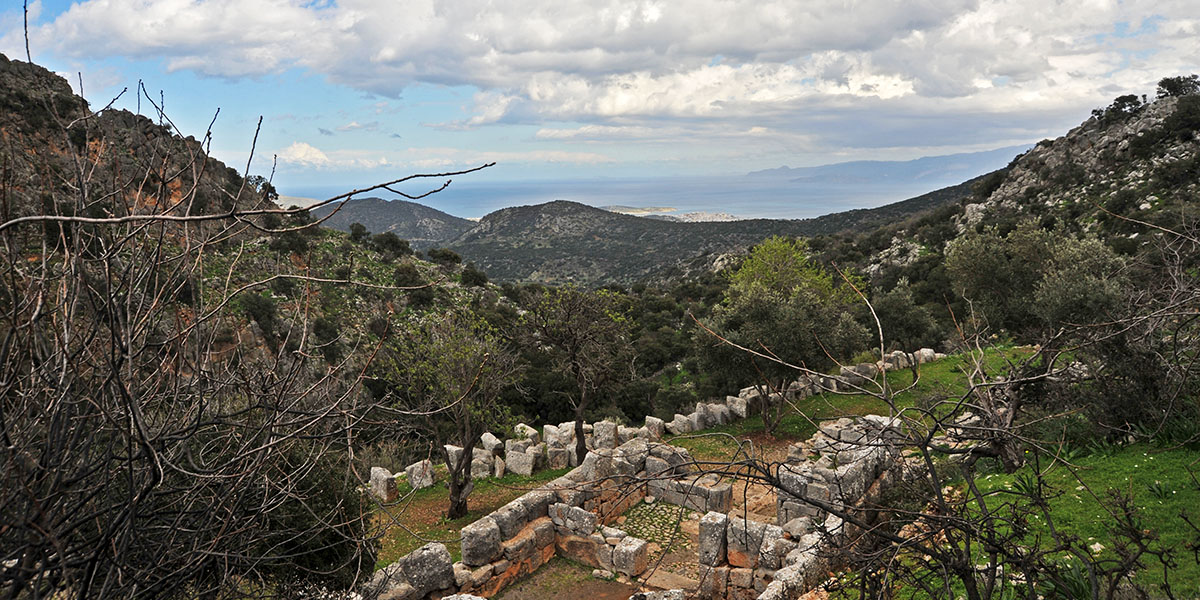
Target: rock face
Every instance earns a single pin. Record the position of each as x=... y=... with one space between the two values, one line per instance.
x=383 y=485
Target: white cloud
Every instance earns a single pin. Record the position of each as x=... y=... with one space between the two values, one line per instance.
x=303 y=155
x=623 y=66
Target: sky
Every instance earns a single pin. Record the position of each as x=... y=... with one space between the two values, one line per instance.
x=355 y=92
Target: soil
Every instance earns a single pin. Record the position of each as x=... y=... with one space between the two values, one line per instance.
x=564 y=580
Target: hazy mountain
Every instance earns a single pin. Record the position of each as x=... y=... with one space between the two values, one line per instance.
x=945 y=169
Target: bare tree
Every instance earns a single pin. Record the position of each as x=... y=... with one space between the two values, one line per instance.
x=152 y=443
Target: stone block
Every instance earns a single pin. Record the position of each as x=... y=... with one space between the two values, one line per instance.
x=657 y=467
x=579 y=548
x=537 y=503
x=462 y=575
x=510 y=518
x=798 y=527
x=481 y=542
x=490 y=442
x=419 y=474
x=428 y=569
x=520 y=546
x=604 y=434
x=712 y=539
x=743 y=542
x=655 y=426
x=481 y=469
x=383 y=485
x=524 y=431
x=453 y=453
x=558 y=458
x=515 y=446
x=572 y=520
x=498 y=467
x=679 y=425
x=631 y=556
x=713 y=583
x=696 y=421
x=717 y=414
x=738 y=408
x=543 y=532
x=624 y=434
x=741 y=578
x=520 y=463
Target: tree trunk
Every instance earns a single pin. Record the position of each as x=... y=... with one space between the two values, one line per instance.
x=580 y=444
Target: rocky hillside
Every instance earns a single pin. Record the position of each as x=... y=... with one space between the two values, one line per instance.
x=421 y=225
x=1132 y=159
x=44 y=128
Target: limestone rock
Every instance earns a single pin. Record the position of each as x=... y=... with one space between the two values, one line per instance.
x=490 y=442
x=655 y=426
x=480 y=542
x=520 y=463
x=428 y=568
x=631 y=556
x=420 y=474
x=712 y=538
x=524 y=431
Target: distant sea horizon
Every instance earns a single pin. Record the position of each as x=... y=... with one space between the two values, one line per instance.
x=742 y=196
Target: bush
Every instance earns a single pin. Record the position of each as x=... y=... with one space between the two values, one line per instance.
x=390 y=245
x=444 y=256
x=473 y=277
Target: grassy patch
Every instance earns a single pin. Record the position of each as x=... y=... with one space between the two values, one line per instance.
x=1161 y=487
x=419 y=517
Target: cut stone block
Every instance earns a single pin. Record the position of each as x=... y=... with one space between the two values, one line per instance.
x=520 y=463
x=631 y=556
x=524 y=431
x=383 y=485
x=655 y=426
x=480 y=542
x=712 y=539
x=490 y=442
x=419 y=474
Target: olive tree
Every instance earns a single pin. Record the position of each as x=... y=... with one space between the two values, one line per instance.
x=444 y=375
x=586 y=339
x=780 y=301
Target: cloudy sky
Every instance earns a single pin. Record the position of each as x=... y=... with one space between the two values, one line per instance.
x=353 y=91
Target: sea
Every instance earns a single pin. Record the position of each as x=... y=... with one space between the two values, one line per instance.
x=741 y=196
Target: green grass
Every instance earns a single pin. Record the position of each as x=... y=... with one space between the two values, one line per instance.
x=421 y=513
x=1161 y=487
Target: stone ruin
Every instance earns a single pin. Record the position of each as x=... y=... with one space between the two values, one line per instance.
x=846 y=465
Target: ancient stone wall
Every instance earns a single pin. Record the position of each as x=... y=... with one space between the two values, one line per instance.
x=572 y=516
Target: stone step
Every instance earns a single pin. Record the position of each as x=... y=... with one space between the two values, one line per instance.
x=666 y=580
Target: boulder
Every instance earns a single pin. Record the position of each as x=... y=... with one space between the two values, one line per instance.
x=420 y=474
x=481 y=469
x=453 y=453
x=383 y=485
x=558 y=458
x=520 y=463
x=514 y=446
x=738 y=408
x=679 y=425
x=712 y=538
x=498 y=467
x=604 y=434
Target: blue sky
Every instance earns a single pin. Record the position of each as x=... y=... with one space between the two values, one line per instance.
x=359 y=91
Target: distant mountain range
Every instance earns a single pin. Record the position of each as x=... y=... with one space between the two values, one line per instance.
x=563 y=241
x=948 y=168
